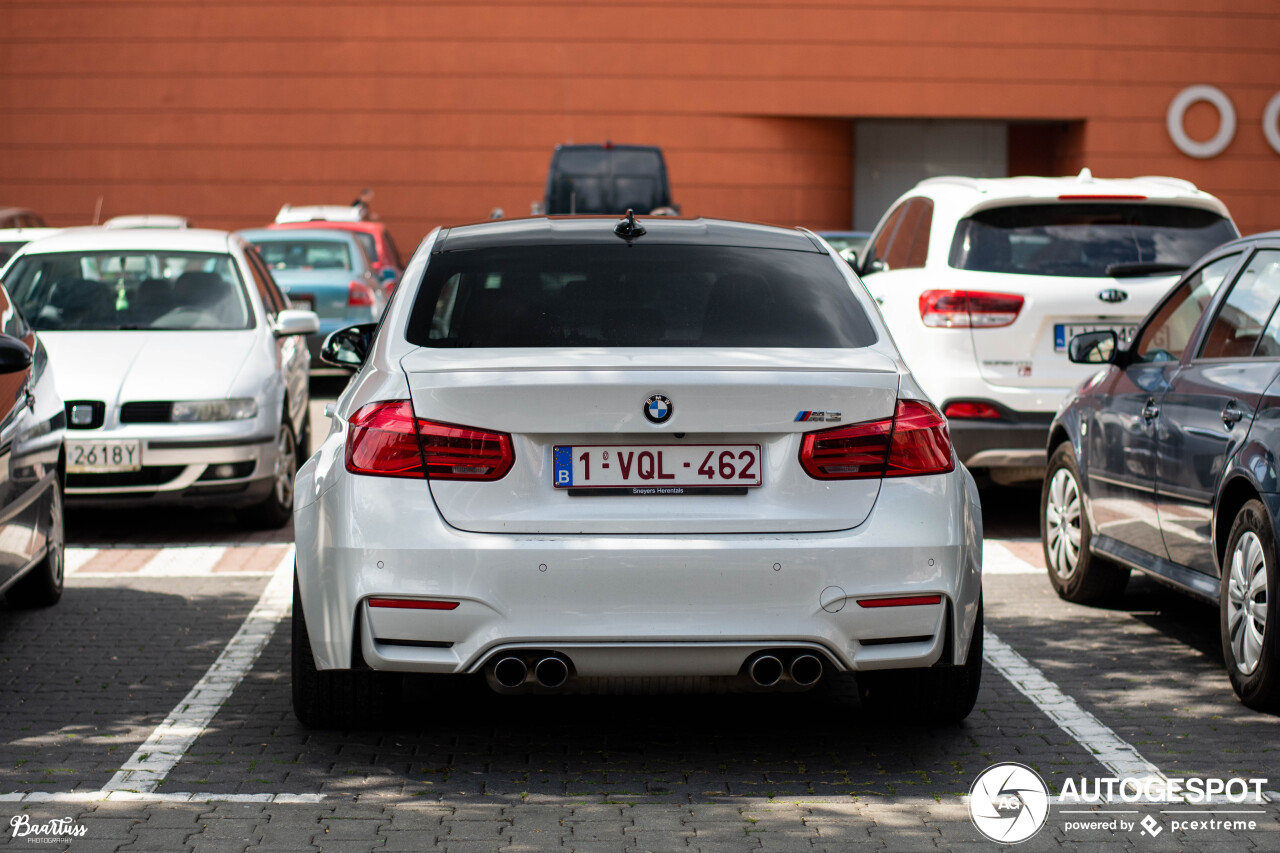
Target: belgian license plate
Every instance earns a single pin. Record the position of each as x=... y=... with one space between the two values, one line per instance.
x=96 y=457
x=1064 y=332
x=666 y=466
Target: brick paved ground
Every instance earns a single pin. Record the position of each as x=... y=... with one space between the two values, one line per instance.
x=465 y=770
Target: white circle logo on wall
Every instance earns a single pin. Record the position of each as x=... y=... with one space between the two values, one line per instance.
x=1009 y=803
x=1226 y=121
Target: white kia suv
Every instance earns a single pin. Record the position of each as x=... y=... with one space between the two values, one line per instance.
x=982 y=283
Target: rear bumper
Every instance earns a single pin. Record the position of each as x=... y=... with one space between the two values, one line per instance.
x=626 y=605
x=1015 y=441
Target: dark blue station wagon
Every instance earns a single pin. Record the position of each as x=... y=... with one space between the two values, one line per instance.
x=1166 y=460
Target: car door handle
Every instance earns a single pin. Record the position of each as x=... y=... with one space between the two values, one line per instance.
x=1232 y=415
x=1150 y=411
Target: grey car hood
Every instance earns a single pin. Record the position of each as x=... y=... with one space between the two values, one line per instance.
x=126 y=366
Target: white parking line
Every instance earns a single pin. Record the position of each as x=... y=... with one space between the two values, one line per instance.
x=169 y=561
x=1112 y=751
x=151 y=763
x=74 y=558
x=176 y=797
x=999 y=560
x=180 y=562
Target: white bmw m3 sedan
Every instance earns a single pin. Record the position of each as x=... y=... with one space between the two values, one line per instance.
x=586 y=452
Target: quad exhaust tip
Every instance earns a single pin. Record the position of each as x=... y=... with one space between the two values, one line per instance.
x=551 y=672
x=806 y=670
x=510 y=672
x=765 y=671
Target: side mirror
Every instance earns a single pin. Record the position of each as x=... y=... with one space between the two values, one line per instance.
x=295 y=322
x=1093 y=348
x=388 y=275
x=14 y=355
x=873 y=266
x=348 y=347
x=850 y=257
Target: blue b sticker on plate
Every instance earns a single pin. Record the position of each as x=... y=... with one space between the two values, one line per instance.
x=562 y=461
x=1059 y=336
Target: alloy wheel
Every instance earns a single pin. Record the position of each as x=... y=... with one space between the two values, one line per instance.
x=1062 y=523
x=1247 y=602
x=286 y=466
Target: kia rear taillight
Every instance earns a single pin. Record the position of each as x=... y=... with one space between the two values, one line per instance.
x=359 y=295
x=386 y=440
x=971 y=409
x=913 y=442
x=968 y=308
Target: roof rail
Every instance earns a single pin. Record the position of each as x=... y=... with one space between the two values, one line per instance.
x=1171 y=182
x=957 y=180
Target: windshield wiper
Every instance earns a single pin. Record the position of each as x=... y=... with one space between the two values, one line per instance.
x=1132 y=268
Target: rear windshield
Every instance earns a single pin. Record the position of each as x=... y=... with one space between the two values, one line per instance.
x=129 y=289
x=1085 y=239
x=636 y=296
x=306 y=254
x=368 y=243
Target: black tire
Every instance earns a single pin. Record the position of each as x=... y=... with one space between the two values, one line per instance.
x=1250 y=645
x=42 y=585
x=1082 y=576
x=304 y=439
x=336 y=699
x=939 y=694
x=275 y=511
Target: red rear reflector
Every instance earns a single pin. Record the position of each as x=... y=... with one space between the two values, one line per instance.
x=915 y=441
x=413 y=604
x=1102 y=198
x=359 y=295
x=971 y=409
x=386 y=440
x=960 y=308
x=905 y=601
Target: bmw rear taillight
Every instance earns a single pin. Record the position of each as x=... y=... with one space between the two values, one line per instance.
x=459 y=453
x=969 y=308
x=386 y=440
x=913 y=442
x=359 y=295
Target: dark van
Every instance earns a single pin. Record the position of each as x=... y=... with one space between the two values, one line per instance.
x=606 y=178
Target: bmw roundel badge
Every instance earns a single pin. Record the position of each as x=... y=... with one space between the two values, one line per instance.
x=658 y=409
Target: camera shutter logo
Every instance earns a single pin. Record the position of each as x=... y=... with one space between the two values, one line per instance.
x=1009 y=803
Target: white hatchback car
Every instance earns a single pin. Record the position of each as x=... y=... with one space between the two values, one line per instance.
x=984 y=282
x=675 y=451
x=183 y=368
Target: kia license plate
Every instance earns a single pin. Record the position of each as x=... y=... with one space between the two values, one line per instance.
x=99 y=457
x=628 y=466
x=1064 y=332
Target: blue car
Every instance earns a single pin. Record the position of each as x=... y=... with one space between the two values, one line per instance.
x=325 y=271
x=1166 y=460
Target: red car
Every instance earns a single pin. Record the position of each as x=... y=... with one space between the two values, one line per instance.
x=375 y=237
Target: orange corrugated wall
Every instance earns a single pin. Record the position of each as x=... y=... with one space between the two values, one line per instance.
x=224 y=110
